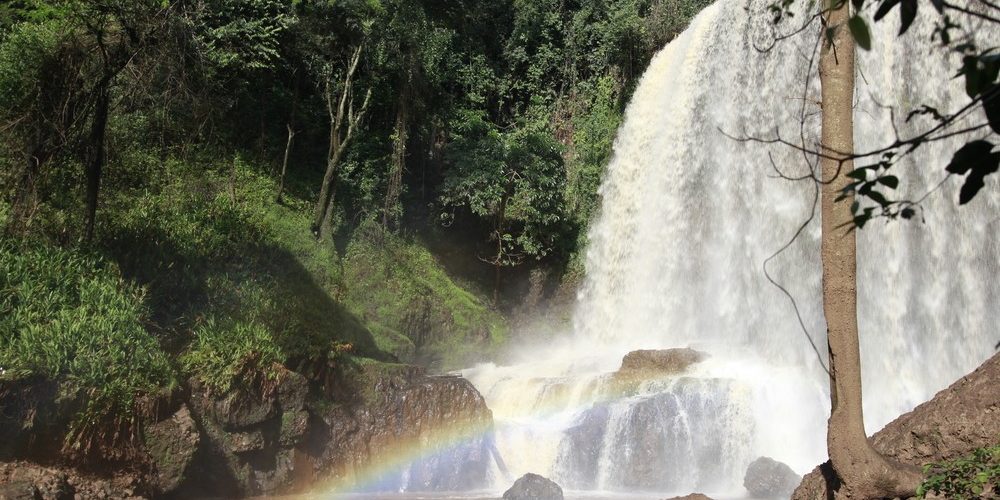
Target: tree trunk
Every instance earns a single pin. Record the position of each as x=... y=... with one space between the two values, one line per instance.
x=96 y=161
x=864 y=472
x=342 y=114
x=326 y=192
x=284 y=162
x=501 y=223
x=390 y=216
x=326 y=225
x=291 y=138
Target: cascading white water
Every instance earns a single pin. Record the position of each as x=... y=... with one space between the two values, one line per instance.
x=689 y=216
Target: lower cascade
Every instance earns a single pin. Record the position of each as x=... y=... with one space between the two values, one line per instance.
x=689 y=216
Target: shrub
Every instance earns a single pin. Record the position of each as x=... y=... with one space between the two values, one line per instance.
x=225 y=354
x=964 y=478
x=72 y=318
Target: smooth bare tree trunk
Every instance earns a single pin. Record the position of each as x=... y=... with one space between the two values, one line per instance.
x=95 y=163
x=291 y=138
x=864 y=472
x=284 y=162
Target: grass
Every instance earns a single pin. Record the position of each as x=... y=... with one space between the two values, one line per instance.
x=399 y=289
x=72 y=317
x=225 y=354
x=198 y=272
x=214 y=248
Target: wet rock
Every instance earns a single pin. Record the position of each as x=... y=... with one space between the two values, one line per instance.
x=402 y=406
x=533 y=487
x=693 y=496
x=580 y=450
x=659 y=362
x=769 y=478
x=171 y=445
x=958 y=420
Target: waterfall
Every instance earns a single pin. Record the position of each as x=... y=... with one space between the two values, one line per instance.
x=675 y=259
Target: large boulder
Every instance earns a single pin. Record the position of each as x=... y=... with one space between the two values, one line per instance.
x=400 y=404
x=659 y=362
x=769 y=478
x=249 y=436
x=534 y=487
x=958 y=420
x=693 y=496
x=171 y=445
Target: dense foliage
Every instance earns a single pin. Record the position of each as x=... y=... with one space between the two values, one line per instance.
x=205 y=188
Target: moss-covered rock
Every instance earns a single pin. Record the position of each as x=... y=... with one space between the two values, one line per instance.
x=172 y=445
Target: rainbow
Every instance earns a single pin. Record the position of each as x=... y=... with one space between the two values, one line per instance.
x=388 y=462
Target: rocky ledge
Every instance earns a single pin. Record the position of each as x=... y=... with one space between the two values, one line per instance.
x=958 y=420
x=278 y=439
x=659 y=362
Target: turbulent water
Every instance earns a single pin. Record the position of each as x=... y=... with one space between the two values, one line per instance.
x=688 y=218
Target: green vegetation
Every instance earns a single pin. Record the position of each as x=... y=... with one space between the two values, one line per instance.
x=73 y=318
x=964 y=478
x=206 y=190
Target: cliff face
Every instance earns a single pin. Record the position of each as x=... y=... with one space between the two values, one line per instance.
x=372 y=426
x=959 y=419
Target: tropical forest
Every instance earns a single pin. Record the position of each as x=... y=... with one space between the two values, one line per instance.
x=473 y=249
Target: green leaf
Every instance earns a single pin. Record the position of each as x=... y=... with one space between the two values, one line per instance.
x=859 y=30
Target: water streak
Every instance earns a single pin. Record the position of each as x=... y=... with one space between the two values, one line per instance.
x=675 y=260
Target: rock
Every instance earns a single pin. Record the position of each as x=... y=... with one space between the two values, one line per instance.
x=693 y=496
x=22 y=481
x=769 y=478
x=34 y=418
x=533 y=487
x=580 y=451
x=293 y=427
x=402 y=405
x=292 y=390
x=245 y=442
x=241 y=409
x=19 y=490
x=958 y=420
x=171 y=445
x=659 y=362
